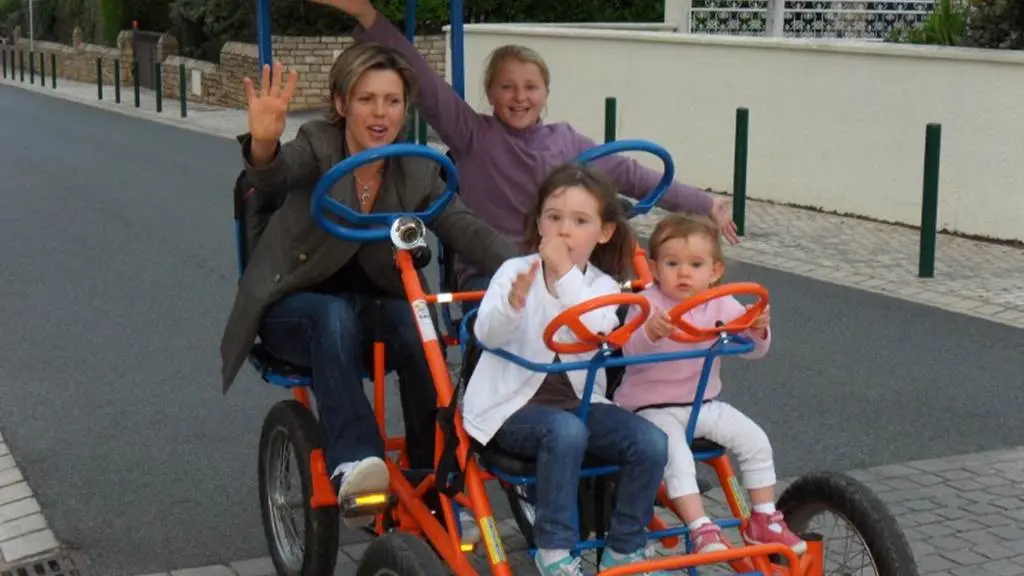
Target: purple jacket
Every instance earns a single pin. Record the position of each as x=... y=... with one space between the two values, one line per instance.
x=501 y=168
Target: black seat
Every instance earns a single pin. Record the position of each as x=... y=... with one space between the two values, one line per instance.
x=495 y=457
x=268 y=363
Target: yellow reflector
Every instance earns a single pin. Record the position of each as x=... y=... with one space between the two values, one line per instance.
x=371 y=499
x=466 y=547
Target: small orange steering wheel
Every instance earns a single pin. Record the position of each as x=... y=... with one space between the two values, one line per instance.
x=688 y=333
x=589 y=341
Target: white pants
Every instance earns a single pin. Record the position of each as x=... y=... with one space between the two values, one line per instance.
x=721 y=423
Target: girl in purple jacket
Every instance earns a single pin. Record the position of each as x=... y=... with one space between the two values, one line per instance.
x=503 y=157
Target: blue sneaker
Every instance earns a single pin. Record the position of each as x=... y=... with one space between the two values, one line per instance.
x=611 y=559
x=564 y=566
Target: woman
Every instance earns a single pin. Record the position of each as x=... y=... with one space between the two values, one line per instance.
x=503 y=157
x=311 y=297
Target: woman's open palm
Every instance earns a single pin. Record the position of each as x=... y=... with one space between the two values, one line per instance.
x=269 y=109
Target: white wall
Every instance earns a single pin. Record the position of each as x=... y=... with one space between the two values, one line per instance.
x=836 y=125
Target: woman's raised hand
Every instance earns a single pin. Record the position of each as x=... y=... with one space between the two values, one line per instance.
x=361 y=10
x=269 y=108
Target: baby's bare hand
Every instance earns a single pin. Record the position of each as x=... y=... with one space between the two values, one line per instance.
x=658 y=325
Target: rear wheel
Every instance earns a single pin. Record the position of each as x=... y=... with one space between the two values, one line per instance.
x=860 y=535
x=303 y=541
x=400 y=554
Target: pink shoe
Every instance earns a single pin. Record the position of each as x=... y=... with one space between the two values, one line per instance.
x=772 y=529
x=707 y=538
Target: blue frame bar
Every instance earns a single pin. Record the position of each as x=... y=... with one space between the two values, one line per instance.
x=458 y=50
x=263 y=32
x=725 y=345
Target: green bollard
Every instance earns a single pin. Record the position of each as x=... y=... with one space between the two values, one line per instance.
x=31 y=68
x=117 y=81
x=99 y=78
x=53 y=70
x=135 y=80
x=21 y=64
x=42 y=70
x=157 y=68
x=182 y=90
x=609 y=119
x=930 y=201
x=739 y=171
x=5 y=62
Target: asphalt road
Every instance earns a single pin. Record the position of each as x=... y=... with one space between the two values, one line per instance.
x=116 y=273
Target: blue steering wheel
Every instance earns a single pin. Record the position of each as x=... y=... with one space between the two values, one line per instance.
x=617 y=146
x=322 y=202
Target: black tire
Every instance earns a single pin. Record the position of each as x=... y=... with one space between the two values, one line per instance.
x=291 y=423
x=856 y=504
x=400 y=554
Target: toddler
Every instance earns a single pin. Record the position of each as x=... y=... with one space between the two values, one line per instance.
x=686 y=259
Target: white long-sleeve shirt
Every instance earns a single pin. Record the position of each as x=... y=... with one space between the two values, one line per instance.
x=499 y=387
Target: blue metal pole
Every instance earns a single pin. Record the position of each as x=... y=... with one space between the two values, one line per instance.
x=410 y=20
x=458 y=55
x=263 y=32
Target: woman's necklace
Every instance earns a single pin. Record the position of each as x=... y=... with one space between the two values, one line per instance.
x=365 y=196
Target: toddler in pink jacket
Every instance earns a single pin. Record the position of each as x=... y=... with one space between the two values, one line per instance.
x=687 y=259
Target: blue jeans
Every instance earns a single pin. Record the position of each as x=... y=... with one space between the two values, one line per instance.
x=333 y=335
x=558 y=439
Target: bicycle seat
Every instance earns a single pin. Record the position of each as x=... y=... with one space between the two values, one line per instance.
x=266 y=363
x=495 y=457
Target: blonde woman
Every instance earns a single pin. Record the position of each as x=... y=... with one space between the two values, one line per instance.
x=310 y=297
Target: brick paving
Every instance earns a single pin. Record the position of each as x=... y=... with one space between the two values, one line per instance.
x=962 y=515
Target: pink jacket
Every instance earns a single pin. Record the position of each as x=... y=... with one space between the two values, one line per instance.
x=676 y=382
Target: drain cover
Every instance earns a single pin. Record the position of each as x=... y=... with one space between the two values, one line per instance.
x=53 y=566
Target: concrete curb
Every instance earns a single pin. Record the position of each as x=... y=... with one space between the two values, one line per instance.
x=24 y=532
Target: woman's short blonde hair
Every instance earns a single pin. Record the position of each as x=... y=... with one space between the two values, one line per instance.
x=356 y=60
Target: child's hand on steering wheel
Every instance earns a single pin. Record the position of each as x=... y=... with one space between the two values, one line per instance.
x=521 y=287
x=658 y=325
x=760 y=325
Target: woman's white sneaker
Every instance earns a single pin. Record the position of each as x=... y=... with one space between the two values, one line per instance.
x=365 y=476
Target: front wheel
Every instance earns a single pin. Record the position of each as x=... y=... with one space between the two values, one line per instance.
x=874 y=543
x=305 y=545
x=400 y=554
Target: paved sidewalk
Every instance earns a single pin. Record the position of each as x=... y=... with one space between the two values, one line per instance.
x=962 y=515
x=24 y=533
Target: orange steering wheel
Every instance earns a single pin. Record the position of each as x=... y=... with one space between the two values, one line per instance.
x=588 y=340
x=688 y=333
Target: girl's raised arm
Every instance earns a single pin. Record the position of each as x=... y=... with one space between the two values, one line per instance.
x=454 y=119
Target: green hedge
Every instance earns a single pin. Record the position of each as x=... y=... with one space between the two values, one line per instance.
x=202 y=26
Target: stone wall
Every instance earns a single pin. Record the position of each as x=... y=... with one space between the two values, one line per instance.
x=218 y=84
x=312 y=57
x=77 y=62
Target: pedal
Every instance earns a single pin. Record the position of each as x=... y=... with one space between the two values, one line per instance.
x=365 y=504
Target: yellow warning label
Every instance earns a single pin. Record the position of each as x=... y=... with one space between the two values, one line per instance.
x=492 y=540
x=734 y=487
